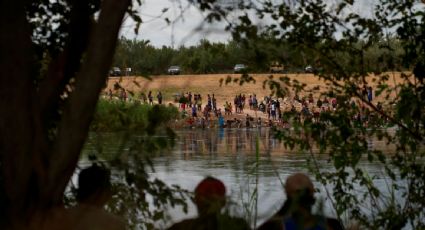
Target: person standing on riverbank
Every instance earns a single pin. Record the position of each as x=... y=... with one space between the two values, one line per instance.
x=194 y=114
x=110 y=94
x=159 y=97
x=123 y=95
x=210 y=198
x=214 y=103
x=150 y=98
x=143 y=97
x=369 y=94
x=220 y=120
x=254 y=102
x=199 y=103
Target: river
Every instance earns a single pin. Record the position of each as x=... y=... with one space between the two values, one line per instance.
x=230 y=155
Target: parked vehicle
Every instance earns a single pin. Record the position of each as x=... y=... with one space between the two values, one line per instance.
x=239 y=68
x=309 y=69
x=115 y=71
x=174 y=70
x=276 y=67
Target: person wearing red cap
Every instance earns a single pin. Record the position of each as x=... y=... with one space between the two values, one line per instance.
x=210 y=198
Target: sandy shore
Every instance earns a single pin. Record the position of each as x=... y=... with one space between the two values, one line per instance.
x=210 y=84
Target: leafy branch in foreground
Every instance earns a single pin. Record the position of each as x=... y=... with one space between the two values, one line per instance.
x=337 y=38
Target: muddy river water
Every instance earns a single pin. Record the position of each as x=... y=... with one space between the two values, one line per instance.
x=230 y=155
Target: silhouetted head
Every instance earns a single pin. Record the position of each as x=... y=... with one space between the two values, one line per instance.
x=94 y=185
x=210 y=196
x=300 y=191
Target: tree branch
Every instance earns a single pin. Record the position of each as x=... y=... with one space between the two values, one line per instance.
x=416 y=135
x=66 y=64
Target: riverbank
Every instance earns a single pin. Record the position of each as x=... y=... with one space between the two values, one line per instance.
x=173 y=87
x=116 y=115
x=170 y=85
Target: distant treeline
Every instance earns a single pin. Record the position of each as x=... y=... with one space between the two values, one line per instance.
x=207 y=57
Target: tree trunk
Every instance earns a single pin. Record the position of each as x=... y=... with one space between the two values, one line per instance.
x=77 y=116
x=34 y=172
x=16 y=127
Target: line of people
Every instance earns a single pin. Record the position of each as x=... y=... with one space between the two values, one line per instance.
x=295 y=214
x=127 y=96
x=94 y=190
x=194 y=102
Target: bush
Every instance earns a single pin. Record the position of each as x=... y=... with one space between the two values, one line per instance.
x=112 y=116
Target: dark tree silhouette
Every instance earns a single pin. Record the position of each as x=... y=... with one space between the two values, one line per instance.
x=46 y=115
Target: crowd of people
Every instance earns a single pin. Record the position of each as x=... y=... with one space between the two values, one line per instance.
x=274 y=111
x=250 y=111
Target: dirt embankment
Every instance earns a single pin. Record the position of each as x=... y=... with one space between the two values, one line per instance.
x=210 y=84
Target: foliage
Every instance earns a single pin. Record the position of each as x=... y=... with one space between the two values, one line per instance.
x=346 y=46
x=207 y=57
x=115 y=116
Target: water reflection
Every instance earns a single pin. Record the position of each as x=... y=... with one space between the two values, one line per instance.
x=230 y=155
x=224 y=141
